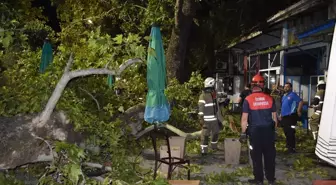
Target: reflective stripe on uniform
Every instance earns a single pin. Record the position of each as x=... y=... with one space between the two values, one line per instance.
x=207 y=117
x=214 y=142
x=201 y=101
x=318 y=111
x=210 y=119
x=293 y=127
x=209 y=104
x=321 y=102
x=200 y=113
x=318 y=97
x=204 y=146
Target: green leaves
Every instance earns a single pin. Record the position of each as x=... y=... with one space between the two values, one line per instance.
x=74 y=153
x=74 y=171
x=118 y=39
x=6 y=41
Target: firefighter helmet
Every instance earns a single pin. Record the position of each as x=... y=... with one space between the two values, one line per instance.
x=321 y=82
x=258 y=80
x=209 y=82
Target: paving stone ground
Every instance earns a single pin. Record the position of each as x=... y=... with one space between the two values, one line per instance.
x=215 y=163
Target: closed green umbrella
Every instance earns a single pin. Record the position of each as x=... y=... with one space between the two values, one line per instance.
x=157 y=108
x=47 y=56
x=110 y=80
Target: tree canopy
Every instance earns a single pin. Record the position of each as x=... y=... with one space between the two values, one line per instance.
x=103 y=34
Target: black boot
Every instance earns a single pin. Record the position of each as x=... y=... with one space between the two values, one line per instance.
x=254 y=181
x=271 y=182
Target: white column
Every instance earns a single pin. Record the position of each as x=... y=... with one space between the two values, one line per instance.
x=284 y=43
x=268 y=71
x=249 y=69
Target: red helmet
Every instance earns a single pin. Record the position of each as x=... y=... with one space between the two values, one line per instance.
x=258 y=80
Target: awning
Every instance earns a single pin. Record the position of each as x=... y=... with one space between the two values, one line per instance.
x=284 y=48
x=329 y=26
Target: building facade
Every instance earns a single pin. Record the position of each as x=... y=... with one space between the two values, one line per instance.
x=294 y=47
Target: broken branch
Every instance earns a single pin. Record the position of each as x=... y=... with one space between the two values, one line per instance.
x=69 y=64
x=171 y=128
x=97 y=103
x=66 y=77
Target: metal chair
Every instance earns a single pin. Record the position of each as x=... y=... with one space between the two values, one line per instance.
x=172 y=162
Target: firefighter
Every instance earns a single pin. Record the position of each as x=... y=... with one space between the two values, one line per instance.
x=317 y=103
x=259 y=112
x=208 y=115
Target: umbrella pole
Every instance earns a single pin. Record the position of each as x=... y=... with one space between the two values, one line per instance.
x=170 y=167
x=153 y=137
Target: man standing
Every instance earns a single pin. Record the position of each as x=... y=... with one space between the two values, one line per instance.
x=260 y=112
x=317 y=103
x=208 y=115
x=244 y=94
x=291 y=109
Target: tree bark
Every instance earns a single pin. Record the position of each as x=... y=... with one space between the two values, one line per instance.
x=184 y=13
x=210 y=55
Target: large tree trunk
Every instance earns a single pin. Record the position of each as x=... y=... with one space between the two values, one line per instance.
x=210 y=58
x=20 y=146
x=184 y=14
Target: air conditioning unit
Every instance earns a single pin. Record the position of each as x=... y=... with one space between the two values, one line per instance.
x=221 y=65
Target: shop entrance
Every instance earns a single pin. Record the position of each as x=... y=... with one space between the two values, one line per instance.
x=304 y=69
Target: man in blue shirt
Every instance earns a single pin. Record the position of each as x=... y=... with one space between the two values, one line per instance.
x=291 y=107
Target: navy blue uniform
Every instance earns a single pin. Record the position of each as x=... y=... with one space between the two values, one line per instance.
x=260 y=107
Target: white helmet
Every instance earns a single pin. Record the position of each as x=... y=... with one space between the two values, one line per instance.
x=321 y=82
x=209 y=82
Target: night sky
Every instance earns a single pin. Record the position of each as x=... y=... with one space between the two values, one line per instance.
x=50 y=12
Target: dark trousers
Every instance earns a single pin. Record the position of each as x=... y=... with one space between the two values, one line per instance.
x=288 y=124
x=262 y=143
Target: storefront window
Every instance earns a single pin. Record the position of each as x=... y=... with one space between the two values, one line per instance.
x=275 y=59
x=273 y=79
x=270 y=78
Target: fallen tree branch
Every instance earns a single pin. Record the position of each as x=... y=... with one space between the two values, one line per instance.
x=69 y=64
x=69 y=75
x=171 y=128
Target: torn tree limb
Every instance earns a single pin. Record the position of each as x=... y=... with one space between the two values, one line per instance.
x=69 y=64
x=42 y=119
x=171 y=128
